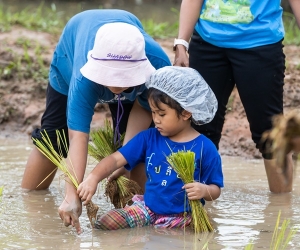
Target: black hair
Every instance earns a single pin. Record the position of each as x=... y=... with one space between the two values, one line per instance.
x=158 y=96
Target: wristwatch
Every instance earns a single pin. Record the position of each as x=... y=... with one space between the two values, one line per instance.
x=182 y=42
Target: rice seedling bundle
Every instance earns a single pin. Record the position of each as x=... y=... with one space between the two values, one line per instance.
x=121 y=190
x=46 y=148
x=102 y=142
x=183 y=164
x=278 y=139
x=281 y=235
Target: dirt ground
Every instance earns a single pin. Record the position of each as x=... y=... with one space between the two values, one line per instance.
x=22 y=101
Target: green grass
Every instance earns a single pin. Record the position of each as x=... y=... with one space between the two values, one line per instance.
x=43 y=18
x=52 y=21
x=292 y=32
x=21 y=65
x=48 y=19
x=161 y=30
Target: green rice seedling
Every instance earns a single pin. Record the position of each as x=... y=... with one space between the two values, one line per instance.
x=1 y=191
x=281 y=235
x=121 y=190
x=46 y=148
x=102 y=142
x=250 y=246
x=1 y=207
x=183 y=164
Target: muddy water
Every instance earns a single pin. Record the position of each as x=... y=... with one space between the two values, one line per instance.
x=245 y=212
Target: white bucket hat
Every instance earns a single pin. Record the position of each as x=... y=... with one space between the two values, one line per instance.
x=118 y=58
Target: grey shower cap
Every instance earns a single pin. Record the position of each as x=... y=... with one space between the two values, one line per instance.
x=189 y=89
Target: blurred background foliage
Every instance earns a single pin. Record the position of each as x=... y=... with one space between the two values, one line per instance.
x=159 y=17
x=23 y=57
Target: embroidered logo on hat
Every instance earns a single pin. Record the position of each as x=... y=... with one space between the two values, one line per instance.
x=113 y=57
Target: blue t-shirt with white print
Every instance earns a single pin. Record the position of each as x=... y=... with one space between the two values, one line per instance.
x=163 y=188
x=71 y=54
x=241 y=24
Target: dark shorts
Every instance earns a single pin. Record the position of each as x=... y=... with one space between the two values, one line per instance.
x=258 y=74
x=55 y=117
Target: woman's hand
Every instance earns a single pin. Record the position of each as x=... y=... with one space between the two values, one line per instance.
x=70 y=210
x=181 y=58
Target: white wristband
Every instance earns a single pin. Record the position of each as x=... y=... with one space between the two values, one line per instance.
x=182 y=42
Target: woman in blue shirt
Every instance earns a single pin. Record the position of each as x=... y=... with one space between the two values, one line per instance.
x=239 y=43
x=102 y=56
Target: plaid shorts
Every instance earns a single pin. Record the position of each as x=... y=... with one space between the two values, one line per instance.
x=139 y=215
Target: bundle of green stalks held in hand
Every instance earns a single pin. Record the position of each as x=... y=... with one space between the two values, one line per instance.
x=102 y=142
x=183 y=164
x=46 y=148
x=121 y=190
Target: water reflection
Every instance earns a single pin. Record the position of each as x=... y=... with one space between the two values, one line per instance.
x=245 y=212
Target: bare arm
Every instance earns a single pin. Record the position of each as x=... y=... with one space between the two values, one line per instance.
x=78 y=154
x=189 y=14
x=71 y=207
x=102 y=170
x=197 y=190
x=295 y=5
x=139 y=120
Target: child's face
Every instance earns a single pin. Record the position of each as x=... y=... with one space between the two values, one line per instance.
x=166 y=119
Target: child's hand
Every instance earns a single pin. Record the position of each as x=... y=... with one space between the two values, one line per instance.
x=195 y=190
x=87 y=189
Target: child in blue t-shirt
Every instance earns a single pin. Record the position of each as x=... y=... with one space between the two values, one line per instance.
x=177 y=97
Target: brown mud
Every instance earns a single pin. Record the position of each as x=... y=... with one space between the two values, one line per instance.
x=22 y=100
